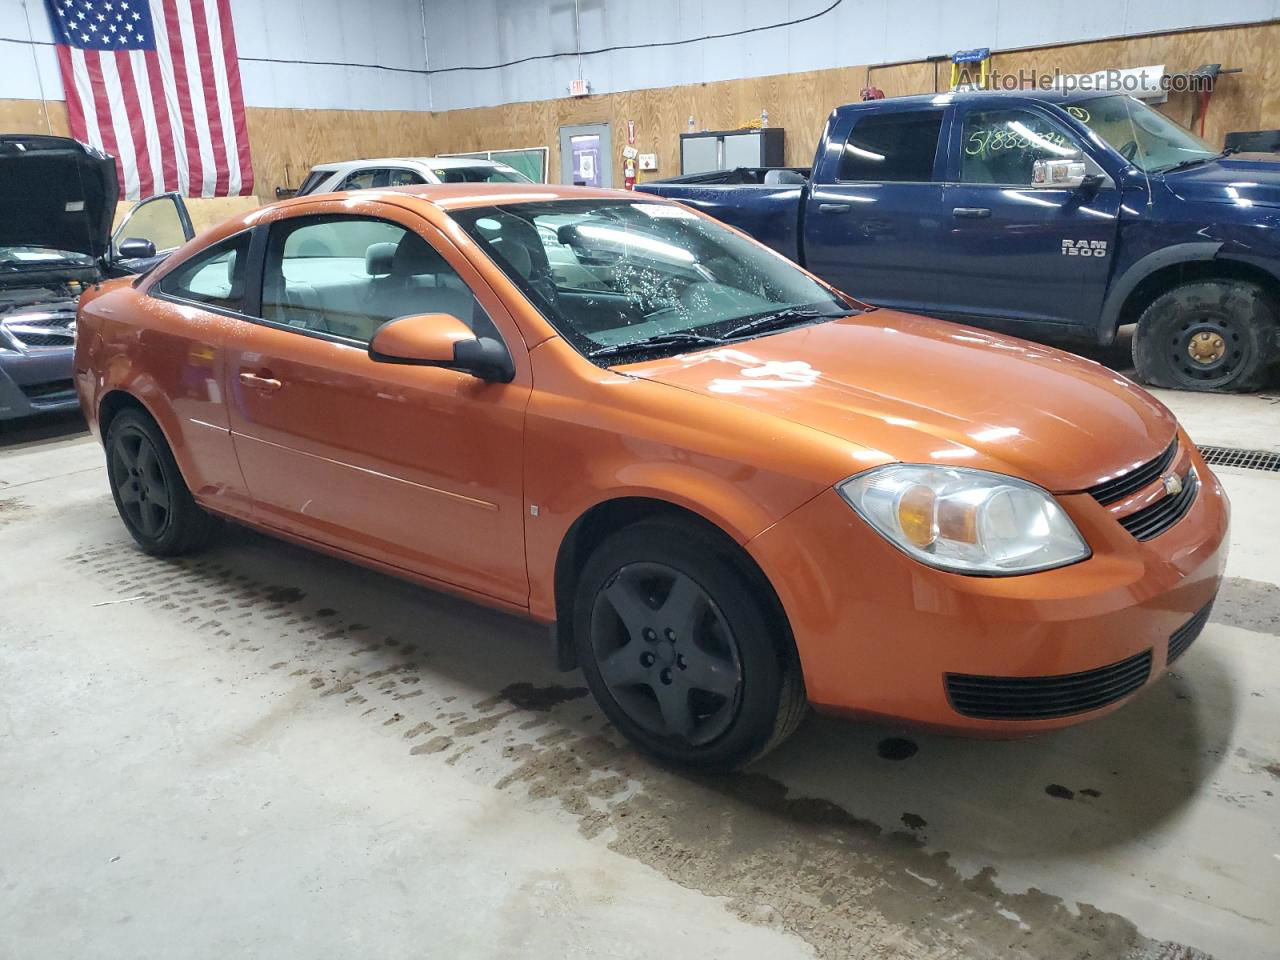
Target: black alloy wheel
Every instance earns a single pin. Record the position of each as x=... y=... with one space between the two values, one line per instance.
x=150 y=493
x=685 y=647
x=144 y=492
x=668 y=656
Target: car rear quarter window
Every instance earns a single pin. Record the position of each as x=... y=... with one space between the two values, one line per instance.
x=215 y=276
x=892 y=147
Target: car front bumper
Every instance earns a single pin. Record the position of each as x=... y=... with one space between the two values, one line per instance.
x=35 y=381
x=881 y=635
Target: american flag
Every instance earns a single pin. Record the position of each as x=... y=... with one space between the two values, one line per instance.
x=156 y=84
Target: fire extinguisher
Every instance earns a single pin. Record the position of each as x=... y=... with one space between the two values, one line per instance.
x=628 y=173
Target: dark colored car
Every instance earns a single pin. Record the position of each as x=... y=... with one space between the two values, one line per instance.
x=1058 y=216
x=58 y=199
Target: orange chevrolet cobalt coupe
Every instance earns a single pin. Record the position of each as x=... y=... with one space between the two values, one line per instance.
x=732 y=490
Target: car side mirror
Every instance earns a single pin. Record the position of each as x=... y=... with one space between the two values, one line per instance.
x=1058 y=174
x=135 y=248
x=441 y=340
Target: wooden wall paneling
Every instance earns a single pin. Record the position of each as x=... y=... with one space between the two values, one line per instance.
x=286 y=143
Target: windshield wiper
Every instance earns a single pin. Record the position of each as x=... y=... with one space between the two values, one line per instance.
x=779 y=319
x=676 y=339
x=1196 y=161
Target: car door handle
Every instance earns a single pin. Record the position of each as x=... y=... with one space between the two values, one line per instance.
x=267 y=384
x=972 y=213
x=834 y=207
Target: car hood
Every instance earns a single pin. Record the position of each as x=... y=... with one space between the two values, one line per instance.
x=926 y=391
x=56 y=193
x=1244 y=179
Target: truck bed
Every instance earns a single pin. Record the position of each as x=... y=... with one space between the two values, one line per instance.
x=770 y=212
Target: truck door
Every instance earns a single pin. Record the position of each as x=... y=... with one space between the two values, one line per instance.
x=1015 y=247
x=873 y=217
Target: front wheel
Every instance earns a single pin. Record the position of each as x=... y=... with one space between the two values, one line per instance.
x=680 y=651
x=1208 y=335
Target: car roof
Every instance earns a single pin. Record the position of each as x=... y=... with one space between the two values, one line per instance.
x=460 y=196
x=442 y=163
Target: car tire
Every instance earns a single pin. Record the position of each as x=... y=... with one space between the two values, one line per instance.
x=150 y=494
x=1210 y=335
x=682 y=648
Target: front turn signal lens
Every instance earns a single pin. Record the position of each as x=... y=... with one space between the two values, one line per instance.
x=964 y=520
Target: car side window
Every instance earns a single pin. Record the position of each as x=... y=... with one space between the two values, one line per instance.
x=1002 y=146
x=898 y=147
x=346 y=276
x=403 y=178
x=363 y=179
x=216 y=276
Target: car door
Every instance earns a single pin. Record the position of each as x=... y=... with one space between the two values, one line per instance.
x=413 y=466
x=872 y=220
x=198 y=303
x=1015 y=248
x=161 y=220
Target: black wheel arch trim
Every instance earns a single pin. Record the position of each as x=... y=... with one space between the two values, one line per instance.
x=1109 y=320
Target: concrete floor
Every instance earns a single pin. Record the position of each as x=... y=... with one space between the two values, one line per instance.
x=264 y=752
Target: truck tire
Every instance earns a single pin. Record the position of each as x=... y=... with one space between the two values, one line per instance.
x=1209 y=335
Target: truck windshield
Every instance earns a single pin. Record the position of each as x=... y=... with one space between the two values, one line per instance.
x=618 y=277
x=1145 y=137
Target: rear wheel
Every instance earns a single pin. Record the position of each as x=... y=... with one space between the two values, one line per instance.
x=680 y=651
x=1209 y=335
x=150 y=494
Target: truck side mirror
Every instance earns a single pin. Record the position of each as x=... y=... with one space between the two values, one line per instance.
x=1058 y=174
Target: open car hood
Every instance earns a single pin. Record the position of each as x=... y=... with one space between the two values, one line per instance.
x=56 y=193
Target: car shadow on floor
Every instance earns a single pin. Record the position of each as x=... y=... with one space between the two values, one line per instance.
x=45 y=428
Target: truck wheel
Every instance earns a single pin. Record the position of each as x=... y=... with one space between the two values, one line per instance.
x=679 y=650
x=1209 y=335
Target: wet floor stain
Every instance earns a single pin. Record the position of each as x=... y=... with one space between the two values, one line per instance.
x=804 y=865
x=528 y=697
x=1059 y=791
x=284 y=595
x=1090 y=792
x=896 y=748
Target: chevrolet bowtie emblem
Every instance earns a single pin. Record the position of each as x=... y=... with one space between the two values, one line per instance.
x=1173 y=484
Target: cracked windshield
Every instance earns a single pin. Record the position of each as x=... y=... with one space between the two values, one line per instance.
x=626 y=279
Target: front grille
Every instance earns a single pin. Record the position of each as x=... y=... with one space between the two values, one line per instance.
x=1150 y=522
x=1041 y=698
x=44 y=330
x=1186 y=634
x=1137 y=478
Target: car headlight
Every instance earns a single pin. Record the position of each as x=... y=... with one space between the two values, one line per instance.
x=964 y=520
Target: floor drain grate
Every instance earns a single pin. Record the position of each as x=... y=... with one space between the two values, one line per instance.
x=1248 y=459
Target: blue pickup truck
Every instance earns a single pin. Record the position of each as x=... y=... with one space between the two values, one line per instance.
x=1050 y=215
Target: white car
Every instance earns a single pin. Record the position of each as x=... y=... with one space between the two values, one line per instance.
x=405 y=171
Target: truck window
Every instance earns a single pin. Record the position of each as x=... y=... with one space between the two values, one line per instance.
x=1002 y=146
x=892 y=146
